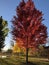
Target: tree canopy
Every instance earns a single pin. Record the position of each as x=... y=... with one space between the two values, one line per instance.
x=3 y=32
x=28 y=23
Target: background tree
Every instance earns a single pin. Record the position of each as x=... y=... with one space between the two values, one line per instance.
x=41 y=51
x=11 y=44
x=9 y=51
x=28 y=27
x=46 y=51
x=3 y=32
x=18 y=50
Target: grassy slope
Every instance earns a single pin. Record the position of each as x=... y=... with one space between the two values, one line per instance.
x=21 y=61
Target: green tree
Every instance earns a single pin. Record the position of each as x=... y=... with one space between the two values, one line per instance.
x=3 y=32
x=9 y=51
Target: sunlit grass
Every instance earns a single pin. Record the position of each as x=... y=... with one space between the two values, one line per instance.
x=15 y=60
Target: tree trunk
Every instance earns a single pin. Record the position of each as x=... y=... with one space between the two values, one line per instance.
x=0 y=49
x=27 y=55
x=27 y=49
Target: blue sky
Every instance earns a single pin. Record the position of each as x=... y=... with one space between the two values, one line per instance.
x=8 y=7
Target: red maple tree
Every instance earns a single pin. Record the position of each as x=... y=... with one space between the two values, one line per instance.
x=28 y=27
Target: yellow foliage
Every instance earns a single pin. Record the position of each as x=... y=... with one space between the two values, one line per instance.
x=16 y=48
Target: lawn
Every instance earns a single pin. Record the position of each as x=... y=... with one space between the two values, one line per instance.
x=21 y=61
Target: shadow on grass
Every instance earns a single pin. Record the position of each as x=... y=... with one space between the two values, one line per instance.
x=5 y=62
x=29 y=63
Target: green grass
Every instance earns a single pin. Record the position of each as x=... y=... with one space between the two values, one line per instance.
x=21 y=61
